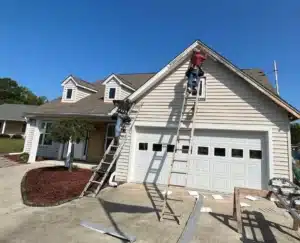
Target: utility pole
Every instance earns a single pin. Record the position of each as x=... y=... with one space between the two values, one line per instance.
x=276 y=77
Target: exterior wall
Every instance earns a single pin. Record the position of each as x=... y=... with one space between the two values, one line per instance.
x=77 y=93
x=112 y=84
x=14 y=127
x=124 y=93
x=96 y=144
x=69 y=85
x=81 y=93
x=48 y=151
x=229 y=101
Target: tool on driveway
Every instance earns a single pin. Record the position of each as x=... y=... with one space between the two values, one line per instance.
x=181 y=128
x=108 y=161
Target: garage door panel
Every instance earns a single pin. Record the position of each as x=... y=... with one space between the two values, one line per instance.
x=237 y=170
x=178 y=179
x=199 y=166
x=220 y=168
x=220 y=183
x=199 y=181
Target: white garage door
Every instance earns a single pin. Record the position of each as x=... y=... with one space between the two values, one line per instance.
x=220 y=160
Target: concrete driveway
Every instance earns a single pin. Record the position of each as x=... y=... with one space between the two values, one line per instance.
x=130 y=209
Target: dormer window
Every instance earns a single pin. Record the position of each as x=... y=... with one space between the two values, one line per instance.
x=112 y=93
x=69 y=94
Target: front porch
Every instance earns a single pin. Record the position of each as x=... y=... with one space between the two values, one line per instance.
x=38 y=142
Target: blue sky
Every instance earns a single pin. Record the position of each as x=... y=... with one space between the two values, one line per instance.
x=42 y=42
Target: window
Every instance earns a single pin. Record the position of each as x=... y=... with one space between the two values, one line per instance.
x=110 y=134
x=220 y=152
x=170 y=148
x=69 y=93
x=185 y=149
x=203 y=150
x=112 y=93
x=202 y=82
x=45 y=136
x=143 y=146
x=255 y=154
x=156 y=147
x=237 y=153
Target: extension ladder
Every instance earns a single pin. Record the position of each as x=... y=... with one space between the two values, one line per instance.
x=109 y=158
x=187 y=97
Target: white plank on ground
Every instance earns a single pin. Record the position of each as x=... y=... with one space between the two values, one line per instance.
x=244 y=204
x=249 y=197
x=206 y=210
x=217 y=197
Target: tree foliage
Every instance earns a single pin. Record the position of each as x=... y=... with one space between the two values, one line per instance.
x=295 y=133
x=12 y=93
x=74 y=130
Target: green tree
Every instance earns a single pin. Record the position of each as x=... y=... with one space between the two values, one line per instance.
x=295 y=133
x=12 y=93
x=70 y=131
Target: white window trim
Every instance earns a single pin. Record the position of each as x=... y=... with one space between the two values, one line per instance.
x=43 y=133
x=72 y=94
x=106 y=135
x=109 y=93
x=202 y=81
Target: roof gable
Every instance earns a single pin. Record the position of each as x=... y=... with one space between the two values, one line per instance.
x=80 y=83
x=249 y=76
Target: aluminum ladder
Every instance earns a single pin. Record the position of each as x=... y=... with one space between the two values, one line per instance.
x=187 y=97
x=109 y=158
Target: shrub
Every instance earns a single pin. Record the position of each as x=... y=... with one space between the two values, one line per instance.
x=24 y=157
x=4 y=136
x=17 y=136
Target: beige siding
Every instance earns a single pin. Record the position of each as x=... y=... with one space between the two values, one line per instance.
x=69 y=85
x=81 y=93
x=112 y=84
x=124 y=93
x=229 y=100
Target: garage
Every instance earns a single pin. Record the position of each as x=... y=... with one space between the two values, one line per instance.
x=219 y=161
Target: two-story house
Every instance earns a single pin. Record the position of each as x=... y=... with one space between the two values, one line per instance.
x=242 y=133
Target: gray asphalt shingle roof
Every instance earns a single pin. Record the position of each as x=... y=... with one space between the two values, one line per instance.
x=15 y=112
x=94 y=104
x=84 y=83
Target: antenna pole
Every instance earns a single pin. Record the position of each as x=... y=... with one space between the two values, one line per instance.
x=276 y=77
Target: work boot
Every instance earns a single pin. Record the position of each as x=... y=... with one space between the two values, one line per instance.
x=189 y=90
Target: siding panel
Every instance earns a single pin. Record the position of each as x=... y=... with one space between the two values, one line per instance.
x=112 y=84
x=229 y=100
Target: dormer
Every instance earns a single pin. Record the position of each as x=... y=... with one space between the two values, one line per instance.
x=75 y=89
x=116 y=88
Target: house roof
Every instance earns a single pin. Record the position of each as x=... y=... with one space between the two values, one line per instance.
x=15 y=112
x=83 y=83
x=135 y=80
x=256 y=83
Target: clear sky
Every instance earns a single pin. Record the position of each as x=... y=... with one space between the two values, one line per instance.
x=42 y=42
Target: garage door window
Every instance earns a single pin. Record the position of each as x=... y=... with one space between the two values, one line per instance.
x=170 y=148
x=237 y=153
x=156 y=147
x=203 y=150
x=220 y=152
x=143 y=146
x=255 y=154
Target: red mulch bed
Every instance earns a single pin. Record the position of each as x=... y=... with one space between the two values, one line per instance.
x=51 y=186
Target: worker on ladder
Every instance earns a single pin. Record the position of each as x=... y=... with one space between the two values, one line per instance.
x=195 y=71
x=121 y=115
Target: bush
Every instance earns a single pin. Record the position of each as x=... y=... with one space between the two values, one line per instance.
x=17 y=136
x=24 y=157
x=4 y=136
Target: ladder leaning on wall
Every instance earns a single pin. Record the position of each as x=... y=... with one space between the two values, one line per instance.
x=181 y=128
x=108 y=161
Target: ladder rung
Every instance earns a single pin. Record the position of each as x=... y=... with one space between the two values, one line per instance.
x=178 y=172
x=100 y=171
x=187 y=139
x=97 y=182
x=107 y=163
x=184 y=120
x=172 y=214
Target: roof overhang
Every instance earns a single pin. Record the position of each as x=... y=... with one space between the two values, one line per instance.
x=70 y=78
x=216 y=57
x=113 y=76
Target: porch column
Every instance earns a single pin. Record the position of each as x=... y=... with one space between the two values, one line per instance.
x=3 y=127
x=35 y=141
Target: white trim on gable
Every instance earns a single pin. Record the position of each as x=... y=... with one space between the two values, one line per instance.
x=216 y=57
x=113 y=76
x=70 y=78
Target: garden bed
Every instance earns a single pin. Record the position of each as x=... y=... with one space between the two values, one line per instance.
x=51 y=186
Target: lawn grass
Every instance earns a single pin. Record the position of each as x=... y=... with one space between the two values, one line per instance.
x=8 y=145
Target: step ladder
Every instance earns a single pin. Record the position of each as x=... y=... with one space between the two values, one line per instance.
x=181 y=127
x=109 y=158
